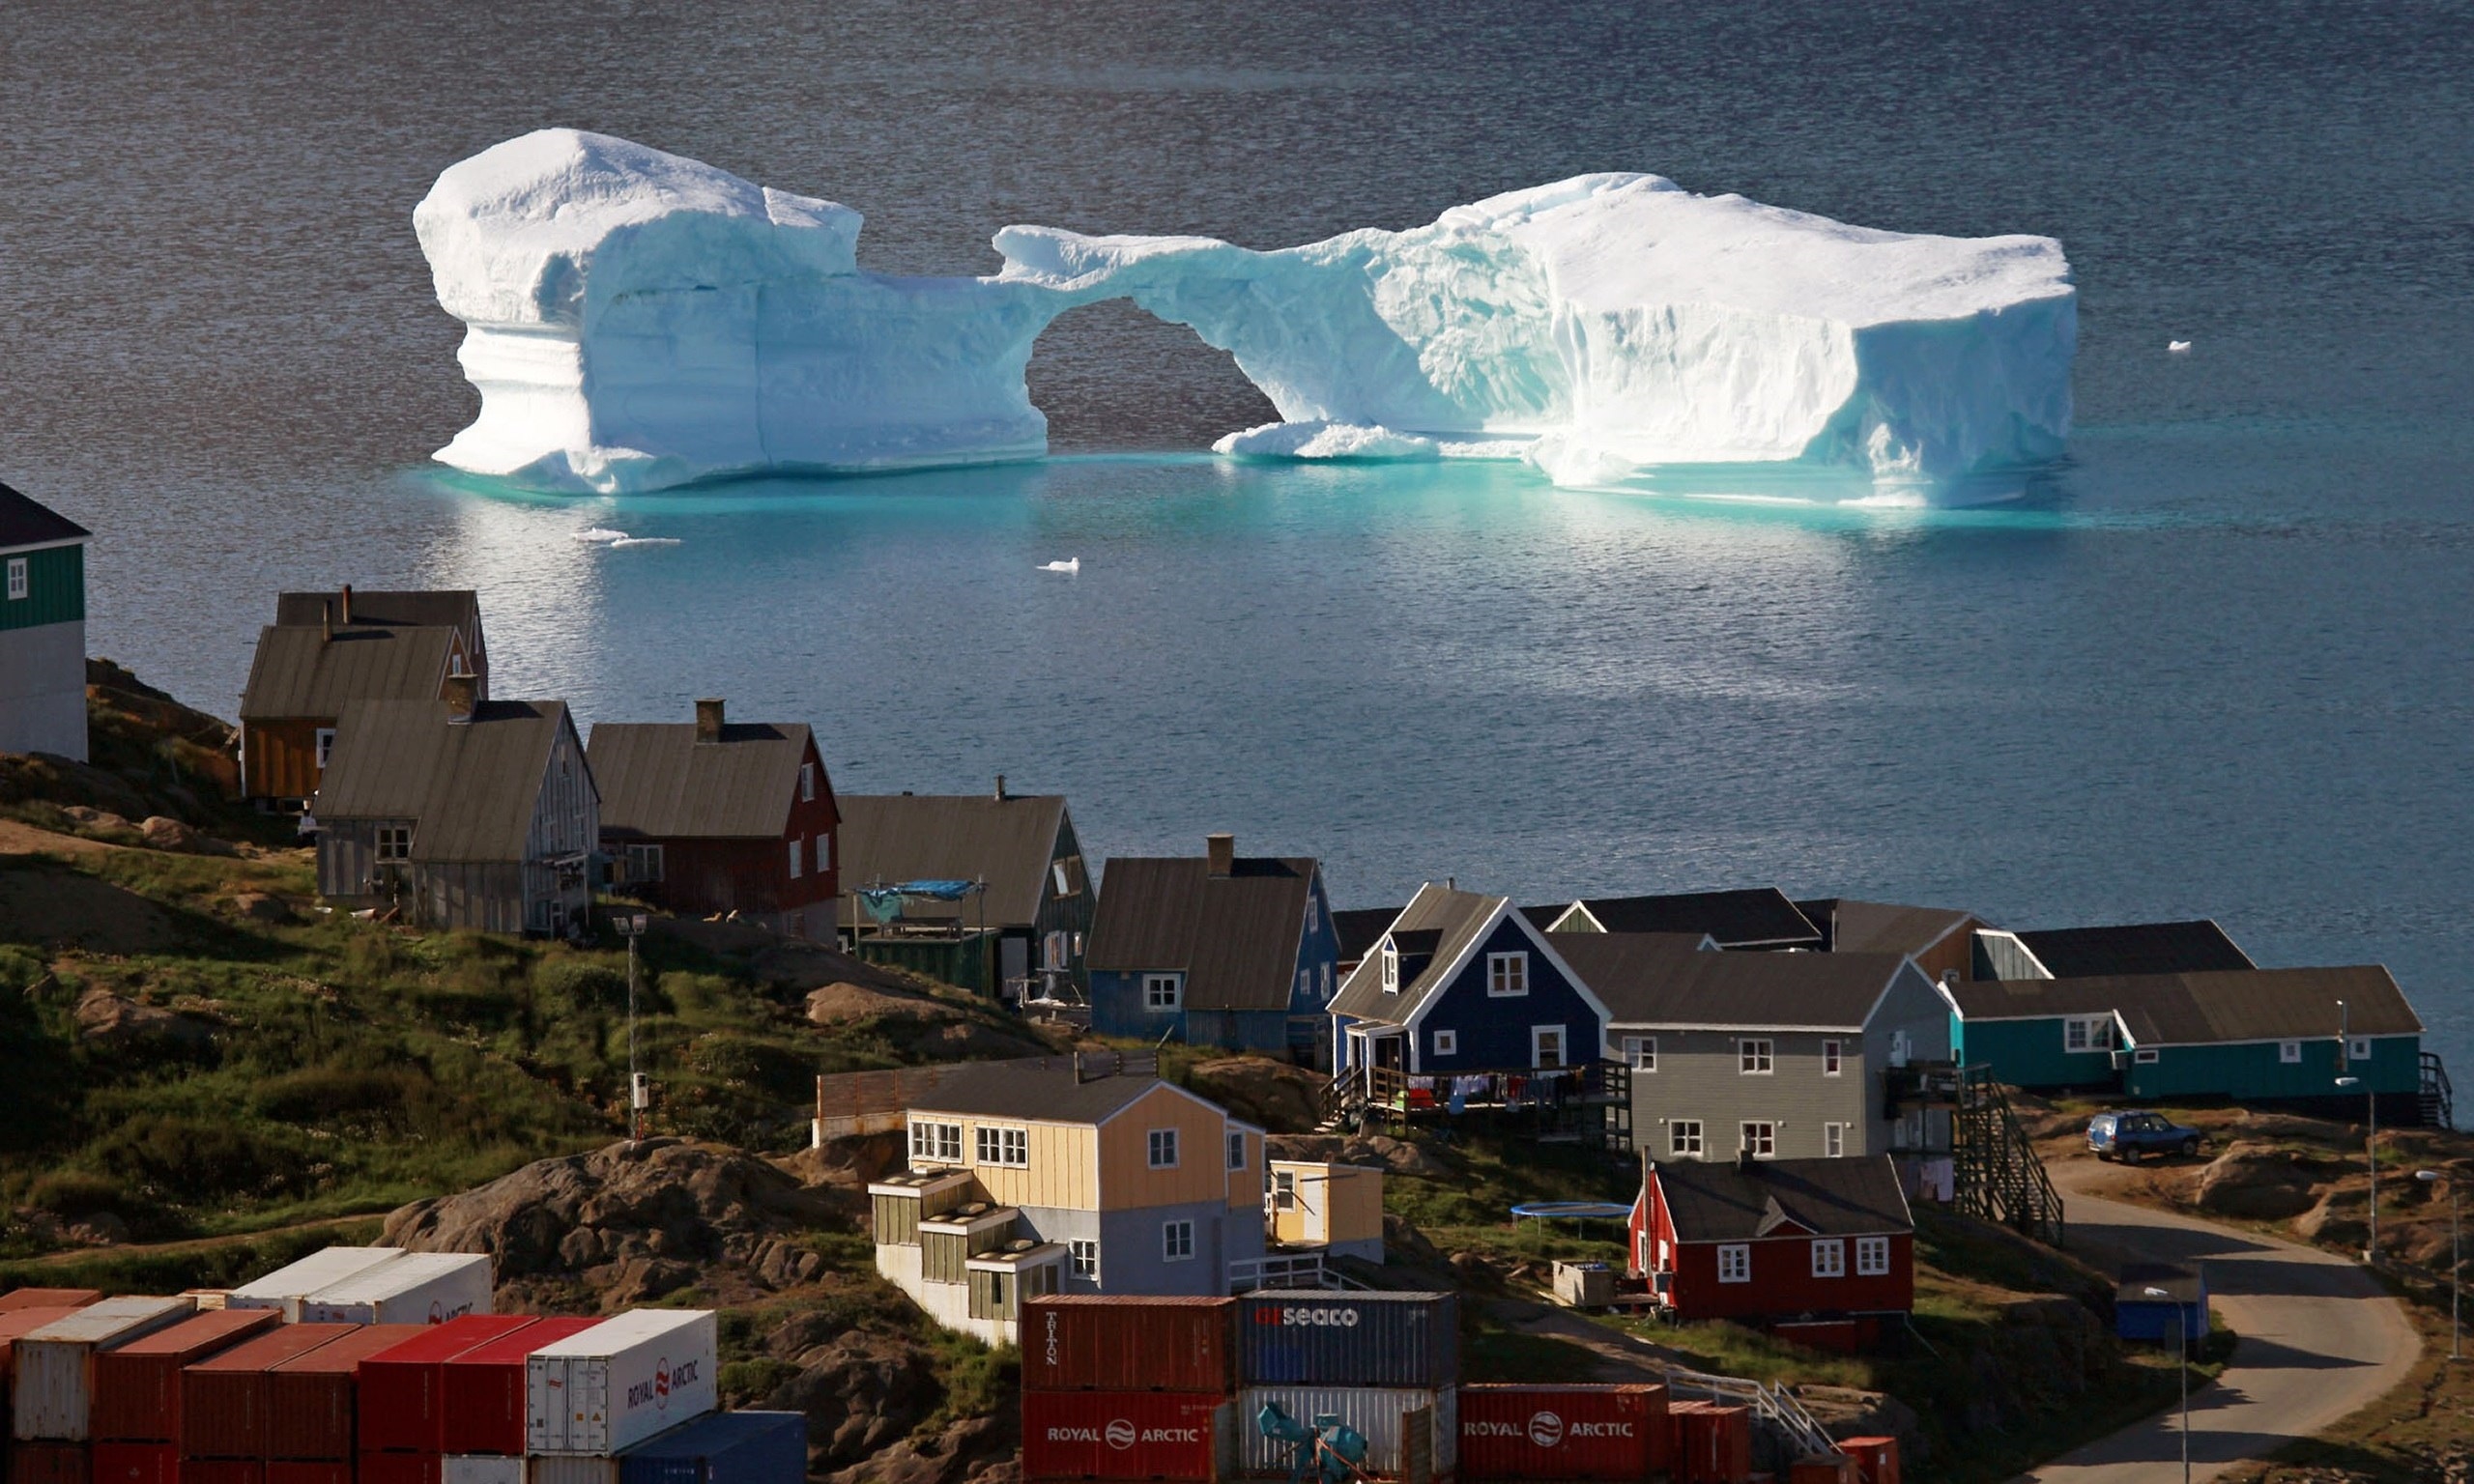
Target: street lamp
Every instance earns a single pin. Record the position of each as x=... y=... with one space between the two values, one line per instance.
x=2370 y=1143
x=2183 y=1355
x=2456 y=1264
x=631 y=927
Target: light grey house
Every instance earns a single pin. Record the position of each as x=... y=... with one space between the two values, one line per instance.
x=460 y=814
x=1778 y=1055
x=43 y=629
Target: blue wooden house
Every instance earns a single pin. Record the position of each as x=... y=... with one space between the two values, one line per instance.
x=1222 y=950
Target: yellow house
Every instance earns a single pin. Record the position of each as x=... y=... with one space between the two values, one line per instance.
x=1041 y=1176
x=1339 y=1208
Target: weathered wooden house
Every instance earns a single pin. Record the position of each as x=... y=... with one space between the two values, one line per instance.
x=1753 y=918
x=1026 y=916
x=305 y=676
x=460 y=814
x=446 y=608
x=43 y=629
x=1229 y=950
x=1819 y=1251
x=719 y=817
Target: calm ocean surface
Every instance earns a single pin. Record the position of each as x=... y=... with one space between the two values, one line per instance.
x=2221 y=666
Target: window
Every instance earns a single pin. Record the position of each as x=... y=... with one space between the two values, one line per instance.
x=2289 y=1051
x=1754 y=1055
x=807 y=783
x=1163 y=991
x=1683 y=1138
x=326 y=744
x=2145 y=1058
x=2087 y=1032
x=1735 y=1261
x=1872 y=1256
x=1760 y=1140
x=1057 y=869
x=644 y=863
x=1087 y=1259
x=1176 y=1242
x=1830 y=1058
x=1390 y=969
x=1641 y=1052
x=1053 y=951
x=1236 y=1151
x=1164 y=1149
x=2358 y=1050
x=1833 y=1141
x=796 y=855
x=394 y=841
x=1546 y=1046
x=1447 y=1042
x=16 y=578
x=936 y=1142
x=823 y=854
x=1507 y=974
x=1313 y=915
x=1005 y=1146
x=1285 y=1191
x=1327 y=983
x=1829 y=1258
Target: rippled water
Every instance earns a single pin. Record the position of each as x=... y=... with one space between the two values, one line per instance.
x=2218 y=666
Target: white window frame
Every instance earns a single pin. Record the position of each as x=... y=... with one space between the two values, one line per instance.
x=2358 y=1050
x=1833 y=1058
x=1760 y=1145
x=1313 y=915
x=1833 y=1141
x=1390 y=969
x=2148 y=1058
x=1735 y=1261
x=19 y=589
x=1236 y=1150
x=2289 y=1053
x=1163 y=1149
x=798 y=856
x=1872 y=1257
x=2093 y=1033
x=324 y=740
x=1537 y=1035
x=1683 y=1138
x=1284 y=1190
x=1164 y=991
x=1004 y=1147
x=823 y=854
x=1056 y=872
x=1641 y=1053
x=1756 y=1056
x=1084 y=1254
x=1507 y=975
x=935 y=1141
x=1447 y=1042
x=1830 y=1257
x=807 y=783
x=1176 y=1242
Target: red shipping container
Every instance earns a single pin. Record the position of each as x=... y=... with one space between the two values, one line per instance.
x=312 y=1399
x=401 y=1388
x=224 y=1400
x=296 y=1471
x=137 y=1387
x=48 y=1298
x=399 y=1469
x=1823 y=1469
x=223 y=1470
x=48 y=1463
x=1101 y=1342
x=1714 y=1446
x=1121 y=1435
x=1614 y=1432
x=1876 y=1458
x=485 y=1389
x=136 y=1463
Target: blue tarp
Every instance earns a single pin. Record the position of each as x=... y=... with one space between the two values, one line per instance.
x=885 y=902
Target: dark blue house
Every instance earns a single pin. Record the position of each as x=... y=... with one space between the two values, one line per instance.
x=1464 y=984
x=1221 y=951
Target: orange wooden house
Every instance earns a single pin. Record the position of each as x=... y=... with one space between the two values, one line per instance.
x=306 y=675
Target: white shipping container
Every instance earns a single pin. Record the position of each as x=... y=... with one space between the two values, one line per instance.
x=574 y=1469
x=52 y=1393
x=481 y=1468
x=1374 y=1410
x=604 y=1389
x=418 y=1288
x=284 y=1288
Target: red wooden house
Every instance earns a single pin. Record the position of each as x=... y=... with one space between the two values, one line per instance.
x=714 y=817
x=1819 y=1250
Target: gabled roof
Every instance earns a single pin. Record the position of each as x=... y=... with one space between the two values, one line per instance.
x=1756 y=917
x=469 y=787
x=1660 y=982
x=1737 y=1202
x=302 y=674
x=1234 y=937
x=2181 y=1010
x=2136 y=948
x=658 y=783
x=453 y=608
x=903 y=837
x=1360 y=929
x=1049 y=1091
x=24 y=522
x=1851 y=926
x=1438 y=925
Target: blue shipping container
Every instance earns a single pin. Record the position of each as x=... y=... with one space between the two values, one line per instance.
x=728 y=1447
x=1320 y=1337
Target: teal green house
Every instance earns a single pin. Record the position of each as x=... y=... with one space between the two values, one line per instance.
x=43 y=629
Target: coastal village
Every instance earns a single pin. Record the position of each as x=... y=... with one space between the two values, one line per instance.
x=949 y=1153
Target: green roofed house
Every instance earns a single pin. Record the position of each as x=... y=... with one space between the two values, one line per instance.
x=43 y=629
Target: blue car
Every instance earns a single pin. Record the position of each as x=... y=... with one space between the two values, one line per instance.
x=2131 y=1137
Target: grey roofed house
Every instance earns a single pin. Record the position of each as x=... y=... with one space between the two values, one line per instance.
x=1050 y=1088
x=1754 y=917
x=450 y=608
x=302 y=673
x=1235 y=937
x=1359 y=930
x=1851 y=926
x=472 y=786
x=657 y=781
x=1667 y=981
x=2136 y=948
x=1719 y=1201
x=1010 y=840
x=1429 y=933
x=2182 y=1009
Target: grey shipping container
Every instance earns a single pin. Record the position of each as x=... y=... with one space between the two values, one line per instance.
x=481 y=1468
x=1322 y=1337
x=53 y=1366
x=1383 y=1413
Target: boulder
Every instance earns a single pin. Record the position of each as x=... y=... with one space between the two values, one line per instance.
x=1277 y=1096
x=110 y=1020
x=2340 y=1219
x=862 y=1392
x=161 y=832
x=1381 y=1151
x=846 y=1002
x=2254 y=1180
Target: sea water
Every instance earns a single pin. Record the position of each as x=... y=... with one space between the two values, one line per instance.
x=2216 y=664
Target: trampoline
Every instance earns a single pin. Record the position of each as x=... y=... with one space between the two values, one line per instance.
x=1574 y=1210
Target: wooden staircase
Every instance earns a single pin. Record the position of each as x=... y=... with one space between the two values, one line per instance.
x=1343 y=1102
x=2437 y=1099
x=1997 y=1173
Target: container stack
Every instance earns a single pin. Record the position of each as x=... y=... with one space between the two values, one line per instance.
x=227 y=1408
x=482 y=1395
x=1128 y=1388
x=313 y=1405
x=597 y=1394
x=1563 y=1432
x=136 y=1415
x=288 y=1287
x=402 y=1419
x=52 y=1384
x=1386 y=1364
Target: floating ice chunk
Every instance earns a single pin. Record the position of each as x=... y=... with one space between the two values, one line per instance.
x=628 y=541
x=1325 y=441
x=1070 y=566
x=598 y=536
x=2178 y=347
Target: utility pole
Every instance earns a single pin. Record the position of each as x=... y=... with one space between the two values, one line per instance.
x=631 y=925
x=2371 y=1144
x=2182 y=1348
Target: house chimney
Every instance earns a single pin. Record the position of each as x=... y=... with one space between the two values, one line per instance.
x=1743 y=1161
x=459 y=695
x=346 y=603
x=327 y=619
x=1221 y=851
x=1000 y=788
x=709 y=721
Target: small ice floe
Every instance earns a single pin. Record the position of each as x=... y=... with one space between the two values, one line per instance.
x=600 y=535
x=644 y=541
x=1070 y=565
x=2177 y=346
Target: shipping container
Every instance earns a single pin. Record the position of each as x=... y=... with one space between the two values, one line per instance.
x=1823 y=1469
x=224 y=1409
x=1319 y=1337
x=208 y=1300
x=284 y=1288
x=486 y=1407
x=481 y=1468
x=401 y=1390
x=398 y=1467
x=48 y=1298
x=1381 y=1413
x=1103 y=1342
x=16 y=1324
x=138 y=1385
x=1713 y=1445
x=223 y=1470
x=609 y=1388
x=293 y=1471
x=135 y=1462
x=52 y=1368
x=572 y=1469
x=48 y=1463
x=1124 y=1435
x=312 y=1399
x=418 y=1288
x=728 y=1447
x=1876 y=1458
x=1614 y=1432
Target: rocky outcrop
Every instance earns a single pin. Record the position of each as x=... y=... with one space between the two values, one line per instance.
x=1381 y=1151
x=109 y=1020
x=1275 y=1095
x=161 y=832
x=2254 y=1180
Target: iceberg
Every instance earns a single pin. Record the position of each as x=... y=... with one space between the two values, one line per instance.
x=638 y=320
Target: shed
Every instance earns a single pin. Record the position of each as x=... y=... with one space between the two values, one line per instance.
x=1035 y=908
x=2140 y=1314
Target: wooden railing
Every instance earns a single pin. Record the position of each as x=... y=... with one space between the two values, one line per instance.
x=1998 y=1174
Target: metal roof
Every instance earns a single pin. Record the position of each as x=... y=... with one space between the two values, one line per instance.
x=1737 y=1201
x=1755 y=917
x=1049 y=1090
x=1659 y=980
x=24 y=522
x=453 y=608
x=2181 y=1010
x=1360 y=929
x=2182 y=1285
x=903 y=837
x=2136 y=948
x=302 y=674
x=658 y=783
x=1851 y=926
x=1452 y=918
x=469 y=787
x=1234 y=937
